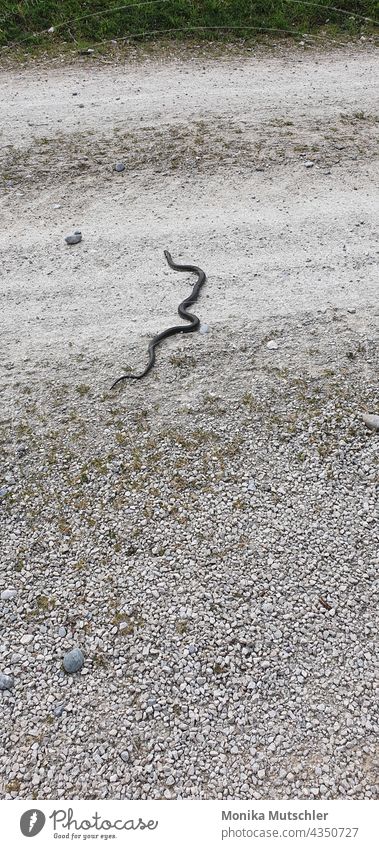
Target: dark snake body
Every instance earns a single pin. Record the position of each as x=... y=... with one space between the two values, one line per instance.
x=179 y=328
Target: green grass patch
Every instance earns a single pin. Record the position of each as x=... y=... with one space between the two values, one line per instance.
x=93 y=21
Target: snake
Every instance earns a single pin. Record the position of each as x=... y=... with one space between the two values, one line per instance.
x=194 y=321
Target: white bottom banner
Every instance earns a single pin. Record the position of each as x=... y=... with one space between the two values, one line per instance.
x=162 y=825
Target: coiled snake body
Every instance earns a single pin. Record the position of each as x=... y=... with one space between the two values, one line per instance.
x=179 y=328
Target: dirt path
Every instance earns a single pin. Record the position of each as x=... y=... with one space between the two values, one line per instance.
x=215 y=156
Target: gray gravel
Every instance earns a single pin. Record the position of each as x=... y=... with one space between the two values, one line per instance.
x=74 y=238
x=371 y=421
x=73 y=660
x=7 y=595
x=213 y=550
x=6 y=682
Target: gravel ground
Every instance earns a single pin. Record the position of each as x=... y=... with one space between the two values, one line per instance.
x=208 y=537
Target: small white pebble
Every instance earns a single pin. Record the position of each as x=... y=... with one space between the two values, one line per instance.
x=8 y=594
x=371 y=421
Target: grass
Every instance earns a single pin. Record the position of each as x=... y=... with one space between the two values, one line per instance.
x=182 y=148
x=182 y=360
x=82 y=390
x=91 y=21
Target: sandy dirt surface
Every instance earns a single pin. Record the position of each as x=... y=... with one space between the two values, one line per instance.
x=215 y=156
x=208 y=536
